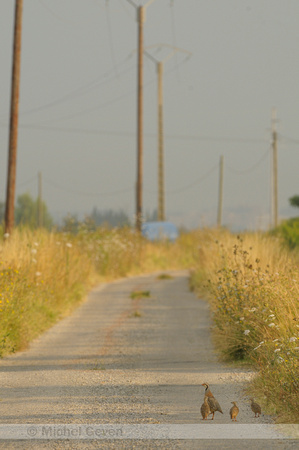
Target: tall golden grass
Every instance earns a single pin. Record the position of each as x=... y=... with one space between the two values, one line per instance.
x=252 y=282
x=45 y=275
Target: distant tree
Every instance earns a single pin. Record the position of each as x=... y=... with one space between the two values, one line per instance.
x=151 y=217
x=26 y=212
x=2 y=211
x=294 y=201
x=70 y=223
x=109 y=217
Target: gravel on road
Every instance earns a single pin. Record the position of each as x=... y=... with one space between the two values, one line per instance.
x=118 y=360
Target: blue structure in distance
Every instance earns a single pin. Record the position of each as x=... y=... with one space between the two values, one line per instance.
x=160 y=231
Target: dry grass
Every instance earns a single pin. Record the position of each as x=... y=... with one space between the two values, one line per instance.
x=253 y=286
x=45 y=275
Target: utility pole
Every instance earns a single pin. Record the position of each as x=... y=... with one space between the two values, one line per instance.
x=14 y=115
x=160 y=70
x=139 y=184
x=161 y=199
x=220 y=197
x=274 y=169
x=40 y=202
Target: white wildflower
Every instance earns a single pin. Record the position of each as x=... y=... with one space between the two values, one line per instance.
x=275 y=340
x=259 y=345
x=272 y=324
x=293 y=339
x=6 y=235
x=38 y=274
x=246 y=332
x=36 y=244
x=252 y=309
x=69 y=245
x=277 y=350
x=34 y=251
x=241 y=318
x=272 y=315
x=280 y=359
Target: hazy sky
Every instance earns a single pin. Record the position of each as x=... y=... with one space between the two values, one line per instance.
x=78 y=105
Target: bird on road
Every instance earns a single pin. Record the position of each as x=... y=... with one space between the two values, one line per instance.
x=205 y=409
x=213 y=403
x=234 y=411
x=255 y=407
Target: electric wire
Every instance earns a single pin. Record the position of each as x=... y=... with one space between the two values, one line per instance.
x=194 y=183
x=131 y=134
x=103 y=105
x=289 y=140
x=174 y=39
x=126 y=9
x=25 y=183
x=86 y=194
x=250 y=169
x=110 y=34
x=54 y=14
x=76 y=93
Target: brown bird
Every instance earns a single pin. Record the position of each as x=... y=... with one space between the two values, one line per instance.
x=255 y=407
x=205 y=409
x=213 y=403
x=234 y=411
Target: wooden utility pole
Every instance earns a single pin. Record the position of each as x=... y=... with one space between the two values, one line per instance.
x=141 y=18
x=160 y=69
x=274 y=169
x=220 y=196
x=139 y=183
x=14 y=115
x=161 y=201
x=40 y=202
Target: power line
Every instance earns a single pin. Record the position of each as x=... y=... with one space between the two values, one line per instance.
x=250 y=169
x=288 y=139
x=78 y=92
x=87 y=194
x=54 y=14
x=195 y=183
x=110 y=34
x=174 y=39
x=131 y=134
x=26 y=182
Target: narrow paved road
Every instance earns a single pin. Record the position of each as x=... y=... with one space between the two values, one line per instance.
x=118 y=360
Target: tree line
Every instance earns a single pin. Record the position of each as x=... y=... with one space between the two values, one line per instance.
x=27 y=212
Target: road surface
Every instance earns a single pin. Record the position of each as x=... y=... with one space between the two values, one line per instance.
x=118 y=360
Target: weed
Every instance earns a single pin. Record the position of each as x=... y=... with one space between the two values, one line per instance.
x=253 y=286
x=140 y=294
x=164 y=276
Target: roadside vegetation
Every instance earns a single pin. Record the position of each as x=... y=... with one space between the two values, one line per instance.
x=45 y=275
x=252 y=283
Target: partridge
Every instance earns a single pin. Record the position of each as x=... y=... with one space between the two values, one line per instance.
x=205 y=409
x=213 y=403
x=255 y=407
x=234 y=411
